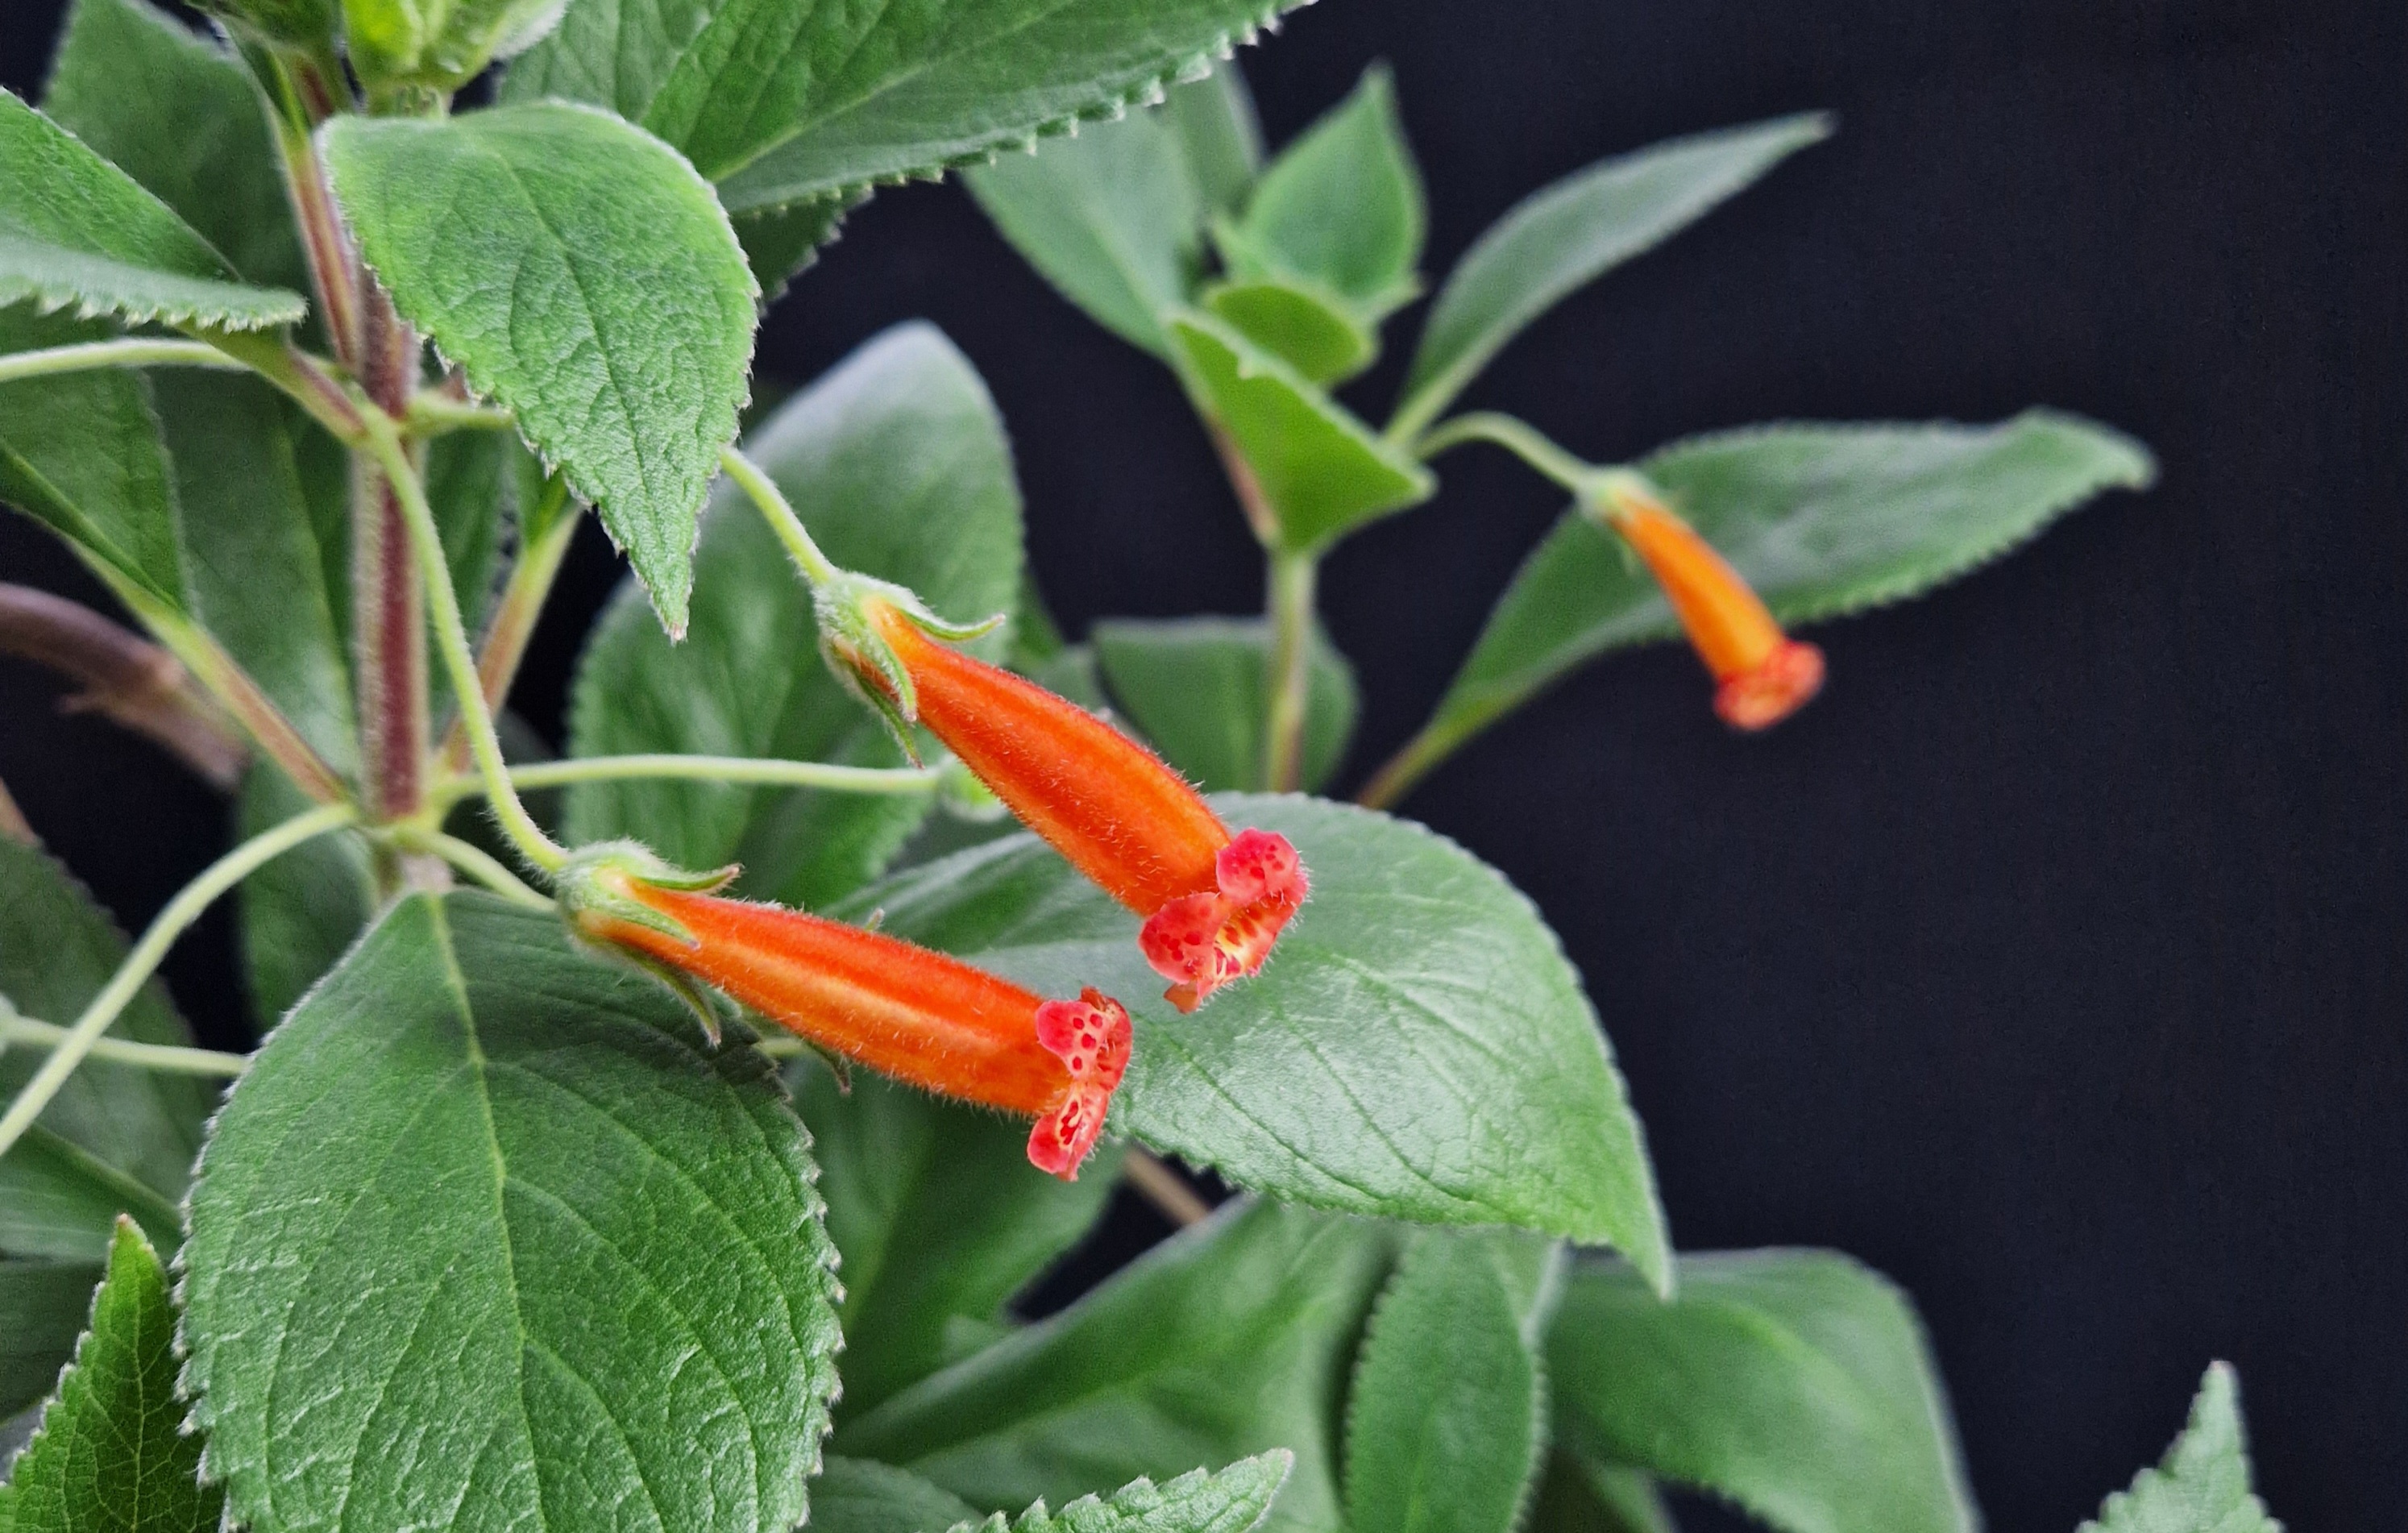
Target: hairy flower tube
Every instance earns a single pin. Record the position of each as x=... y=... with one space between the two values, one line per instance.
x=1214 y=903
x=897 y=1008
x=1762 y=674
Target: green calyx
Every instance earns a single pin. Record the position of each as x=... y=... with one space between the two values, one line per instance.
x=863 y=659
x=597 y=883
x=438 y=45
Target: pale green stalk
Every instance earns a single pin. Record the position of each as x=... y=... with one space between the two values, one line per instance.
x=1518 y=437
x=181 y=911
x=171 y=1058
x=431 y=414
x=452 y=642
x=816 y=567
x=474 y=861
x=133 y=352
x=1291 y=603
x=755 y=771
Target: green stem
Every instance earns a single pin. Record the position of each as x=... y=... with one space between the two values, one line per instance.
x=181 y=911
x=1409 y=765
x=747 y=769
x=169 y=1058
x=514 y=618
x=1291 y=610
x=473 y=861
x=133 y=352
x=1519 y=437
x=432 y=413
x=816 y=567
x=451 y=641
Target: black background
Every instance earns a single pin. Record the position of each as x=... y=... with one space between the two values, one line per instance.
x=2052 y=962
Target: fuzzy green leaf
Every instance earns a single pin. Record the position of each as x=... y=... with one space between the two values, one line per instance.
x=858 y=1496
x=57 y=950
x=489 y=1238
x=1575 y=1497
x=76 y=230
x=1448 y=1423
x=780 y=102
x=623 y=336
x=1197 y=687
x=1311 y=331
x=780 y=242
x=110 y=1456
x=2202 y=1483
x=1235 y=1500
x=1229 y=1339
x=59 y=1200
x=1214 y=117
x=1111 y=217
x=1565 y=236
x=181 y=115
x=1416 y=1049
x=43 y=1304
x=940 y=1219
x=897 y=462
x=1795 y=1384
x=1322 y=471
x=1341 y=207
x=1823 y=520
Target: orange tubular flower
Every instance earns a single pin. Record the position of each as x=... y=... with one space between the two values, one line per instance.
x=1764 y=675
x=1214 y=903
x=900 y=1009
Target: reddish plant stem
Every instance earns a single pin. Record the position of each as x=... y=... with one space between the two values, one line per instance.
x=125 y=678
x=388 y=640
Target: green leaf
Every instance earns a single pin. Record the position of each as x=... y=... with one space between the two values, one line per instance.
x=780 y=242
x=1235 y=1500
x=111 y=1453
x=75 y=229
x=857 y=1495
x=1342 y=206
x=80 y=452
x=779 y=103
x=1322 y=471
x=180 y=115
x=1197 y=687
x=300 y=912
x=1795 y=1384
x=1111 y=217
x=1823 y=520
x=57 y=950
x=1448 y=1423
x=488 y=1237
x=1579 y=1497
x=1230 y=1339
x=1308 y=330
x=1565 y=236
x=253 y=575
x=897 y=463
x=42 y=1307
x=623 y=335
x=2202 y=1483
x=60 y=1199
x=1417 y=1048
x=938 y=1218
x=1214 y=117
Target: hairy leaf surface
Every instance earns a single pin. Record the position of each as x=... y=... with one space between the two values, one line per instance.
x=940 y=1219
x=1198 y=688
x=46 y=1301
x=59 y=1200
x=76 y=230
x=1565 y=236
x=1341 y=207
x=1821 y=519
x=1229 y=1339
x=1448 y=1421
x=860 y=1496
x=1795 y=1384
x=2202 y=1483
x=1322 y=471
x=1417 y=1048
x=110 y=1452
x=488 y=1237
x=897 y=462
x=623 y=334
x=1199 y=1501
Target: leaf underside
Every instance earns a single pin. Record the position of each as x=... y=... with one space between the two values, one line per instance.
x=2202 y=1484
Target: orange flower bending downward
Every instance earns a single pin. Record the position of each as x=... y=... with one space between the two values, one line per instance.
x=1214 y=903
x=900 y=1009
x=1764 y=674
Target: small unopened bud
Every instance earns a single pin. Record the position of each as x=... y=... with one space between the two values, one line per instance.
x=1763 y=675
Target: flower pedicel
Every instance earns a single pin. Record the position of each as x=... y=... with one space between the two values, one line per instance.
x=1213 y=903
x=900 y=1009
